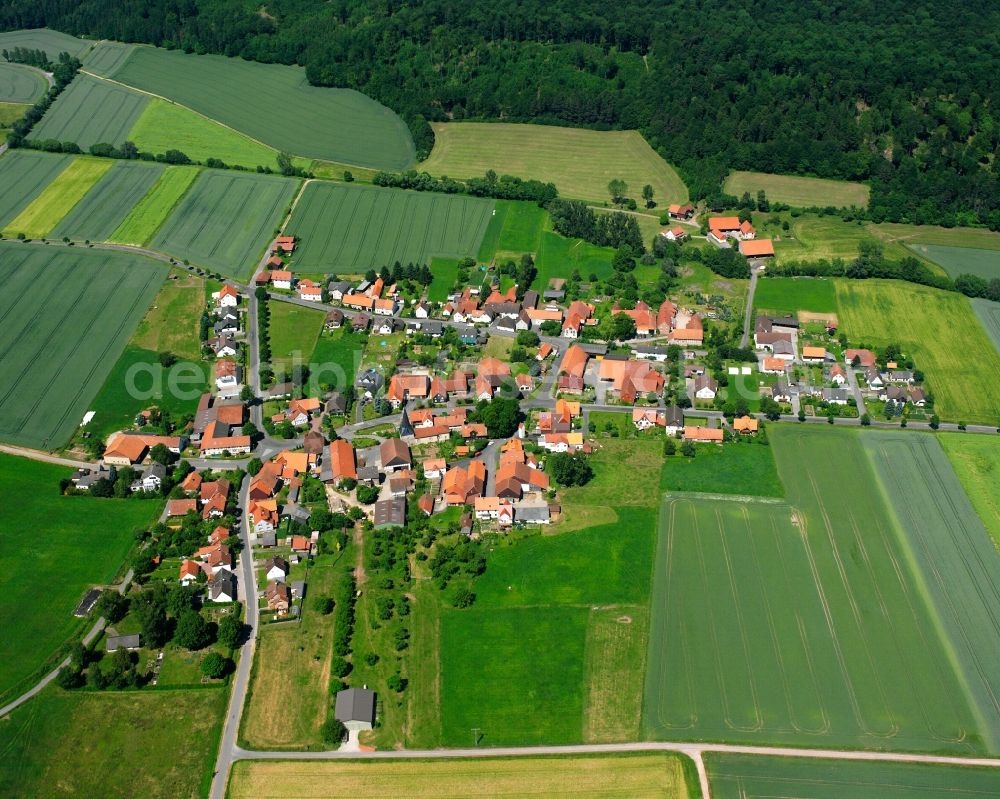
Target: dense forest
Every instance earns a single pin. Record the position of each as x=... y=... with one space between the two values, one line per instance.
x=902 y=94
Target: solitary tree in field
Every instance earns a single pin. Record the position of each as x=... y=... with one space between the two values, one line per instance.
x=647 y=195
x=617 y=188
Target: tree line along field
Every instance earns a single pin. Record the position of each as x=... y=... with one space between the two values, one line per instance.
x=225 y=219
x=64 y=320
x=102 y=209
x=350 y=228
x=802 y=622
x=275 y=105
x=52 y=42
x=20 y=84
x=962 y=260
x=24 y=174
x=579 y=162
x=648 y=775
x=66 y=190
x=799 y=192
x=939 y=330
x=91 y=111
x=742 y=776
x=71 y=544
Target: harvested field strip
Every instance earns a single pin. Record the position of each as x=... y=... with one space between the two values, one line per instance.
x=650 y=776
x=350 y=228
x=339 y=125
x=20 y=84
x=91 y=111
x=225 y=220
x=107 y=58
x=24 y=174
x=955 y=558
x=797 y=191
x=109 y=202
x=56 y=200
x=153 y=209
x=68 y=334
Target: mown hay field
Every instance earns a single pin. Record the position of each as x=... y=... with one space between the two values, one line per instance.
x=152 y=743
x=55 y=201
x=800 y=622
x=20 y=84
x=798 y=192
x=939 y=330
x=962 y=260
x=741 y=776
x=91 y=111
x=66 y=315
x=165 y=126
x=350 y=228
x=276 y=105
x=650 y=776
x=225 y=220
x=52 y=42
x=955 y=557
x=579 y=162
x=72 y=543
x=102 y=209
x=153 y=209
x=781 y=295
x=24 y=174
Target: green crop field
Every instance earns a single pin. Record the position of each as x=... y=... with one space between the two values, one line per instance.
x=746 y=468
x=164 y=126
x=552 y=649
x=976 y=461
x=988 y=313
x=790 y=294
x=225 y=220
x=900 y=234
x=648 y=775
x=580 y=162
x=939 y=330
x=109 y=202
x=961 y=260
x=956 y=558
x=800 y=623
x=66 y=316
x=20 y=84
x=106 y=58
x=24 y=174
x=58 y=197
x=52 y=42
x=559 y=256
x=71 y=544
x=152 y=210
x=744 y=776
x=798 y=191
x=276 y=105
x=91 y=111
x=350 y=228
x=112 y=743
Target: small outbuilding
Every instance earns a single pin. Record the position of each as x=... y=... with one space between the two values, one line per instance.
x=355 y=707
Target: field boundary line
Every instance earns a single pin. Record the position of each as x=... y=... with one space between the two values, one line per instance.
x=740 y=498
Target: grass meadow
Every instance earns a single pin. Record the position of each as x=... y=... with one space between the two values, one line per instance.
x=559 y=256
x=976 y=461
x=961 y=260
x=61 y=335
x=20 y=84
x=293 y=332
x=164 y=126
x=24 y=174
x=797 y=191
x=52 y=42
x=91 y=111
x=651 y=776
x=153 y=209
x=102 y=209
x=746 y=468
x=340 y=347
x=939 y=330
x=157 y=744
x=580 y=162
x=173 y=321
x=515 y=227
x=955 y=557
x=800 y=623
x=445 y=272
x=275 y=105
x=10 y=113
x=67 y=544
x=780 y=295
x=741 y=776
x=225 y=220
x=56 y=200
x=350 y=228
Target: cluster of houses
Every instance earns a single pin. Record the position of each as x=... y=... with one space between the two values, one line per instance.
x=724 y=229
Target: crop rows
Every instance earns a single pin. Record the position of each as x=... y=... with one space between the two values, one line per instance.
x=107 y=58
x=109 y=202
x=19 y=84
x=91 y=111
